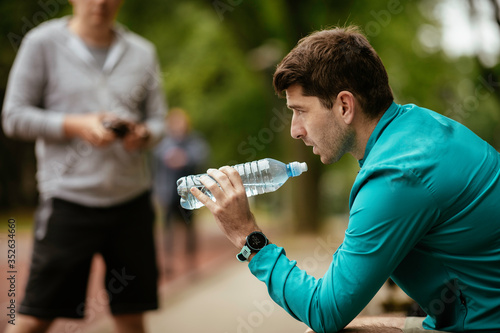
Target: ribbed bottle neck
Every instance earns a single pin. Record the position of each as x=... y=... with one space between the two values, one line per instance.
x=295 y=169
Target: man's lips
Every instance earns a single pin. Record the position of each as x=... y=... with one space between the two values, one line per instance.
x=311 y=145
x=307 y=143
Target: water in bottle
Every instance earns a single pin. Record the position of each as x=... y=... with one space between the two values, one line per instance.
x=262 y=176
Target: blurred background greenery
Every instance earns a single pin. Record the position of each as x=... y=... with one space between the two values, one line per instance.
x=218 y=57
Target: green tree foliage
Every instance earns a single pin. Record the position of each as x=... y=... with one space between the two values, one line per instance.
x=205 y=72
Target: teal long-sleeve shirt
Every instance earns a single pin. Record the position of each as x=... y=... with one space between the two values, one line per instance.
x=425 y=211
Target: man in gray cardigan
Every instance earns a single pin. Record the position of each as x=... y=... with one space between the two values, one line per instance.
x=88 y=91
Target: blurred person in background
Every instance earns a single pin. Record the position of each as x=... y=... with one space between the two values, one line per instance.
x=424 y=208
x=181 y=153
x=88 y=91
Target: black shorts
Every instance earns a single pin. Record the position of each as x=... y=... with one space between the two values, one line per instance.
x=67 y=236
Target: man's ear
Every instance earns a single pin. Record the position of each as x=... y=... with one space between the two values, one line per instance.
x=346 y=106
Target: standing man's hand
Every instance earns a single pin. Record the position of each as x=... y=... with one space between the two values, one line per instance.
x=88 y=127
x=231 y=209
x=137 y=137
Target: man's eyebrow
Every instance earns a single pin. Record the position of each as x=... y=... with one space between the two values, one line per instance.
x=294 y=106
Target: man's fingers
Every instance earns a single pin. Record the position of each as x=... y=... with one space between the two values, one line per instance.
x=211 y=185
x=230 y=181
x=233 y=175
x=203 y=198
x=225 y=186
x=208 y=180
x=97 y=137
x=220 y=177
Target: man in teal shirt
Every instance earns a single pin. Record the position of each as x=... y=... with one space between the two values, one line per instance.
x=424 y=209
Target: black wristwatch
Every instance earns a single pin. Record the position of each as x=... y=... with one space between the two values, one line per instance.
x=254 y=243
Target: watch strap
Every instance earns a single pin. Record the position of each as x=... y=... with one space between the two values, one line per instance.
x=244 y=254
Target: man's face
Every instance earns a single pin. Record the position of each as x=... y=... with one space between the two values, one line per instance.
x=96 y=12
x=318 y=126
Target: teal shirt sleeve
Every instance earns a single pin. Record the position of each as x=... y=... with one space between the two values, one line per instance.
x=391 y=211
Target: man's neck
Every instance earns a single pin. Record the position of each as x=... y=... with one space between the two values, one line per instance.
x=96 y=36
x=364 y=130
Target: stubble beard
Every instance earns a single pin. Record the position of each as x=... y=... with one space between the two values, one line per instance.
x=341 y=144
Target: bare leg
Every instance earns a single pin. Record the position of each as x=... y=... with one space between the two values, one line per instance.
x=374 y=325
x=129 y=323
x=29 y=324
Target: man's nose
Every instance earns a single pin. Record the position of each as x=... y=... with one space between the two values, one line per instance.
x=297 y=131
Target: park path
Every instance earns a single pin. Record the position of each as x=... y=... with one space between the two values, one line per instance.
x=217 y=294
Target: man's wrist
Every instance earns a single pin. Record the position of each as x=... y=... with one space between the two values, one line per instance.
x=71 y=125
x=251 y=256
x=241 y=239
x=254 y=242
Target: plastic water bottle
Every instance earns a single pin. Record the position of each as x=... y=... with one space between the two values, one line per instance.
x=262 y=176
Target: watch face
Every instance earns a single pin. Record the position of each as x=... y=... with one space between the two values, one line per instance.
x=256 y=241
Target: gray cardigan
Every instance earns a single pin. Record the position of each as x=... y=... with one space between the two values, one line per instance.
x=54 y=74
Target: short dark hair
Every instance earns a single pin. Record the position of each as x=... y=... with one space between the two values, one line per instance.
x=330 y=61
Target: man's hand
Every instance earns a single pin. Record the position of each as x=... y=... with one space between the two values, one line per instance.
x=137 y=137
x=231 y=209
x=88 y=127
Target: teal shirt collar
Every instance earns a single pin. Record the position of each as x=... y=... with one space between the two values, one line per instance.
x=386 y=119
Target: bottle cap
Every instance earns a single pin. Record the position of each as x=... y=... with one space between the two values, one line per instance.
x=297 y=168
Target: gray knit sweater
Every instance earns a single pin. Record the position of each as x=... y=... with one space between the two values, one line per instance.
x=54 y=74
